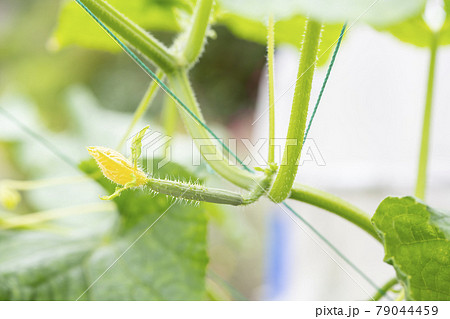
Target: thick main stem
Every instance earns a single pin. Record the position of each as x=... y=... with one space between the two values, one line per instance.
x=137 y=37
x=334 y=205
x=297 y=123
x=424 y=145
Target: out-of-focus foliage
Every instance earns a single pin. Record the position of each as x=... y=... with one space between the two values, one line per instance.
x=416 y=31
x=43 y=77
x=230 y=68
x=376 y=13
x=417 y=243
x=245 y=19
x=168 y=262
x=77 y=27
x=444 y=36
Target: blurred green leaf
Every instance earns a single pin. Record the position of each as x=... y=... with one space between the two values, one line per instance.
x=447 y=7
x=165 y=262
x=76 y=27
x=417 y=244
x=288 y=31
x=414 y=31
x=39 y=265
x=245 y=19
x=375 y=13
x=444 y=35
x=417 y=32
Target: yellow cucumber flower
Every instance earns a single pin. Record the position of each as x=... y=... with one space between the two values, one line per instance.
x=117 y=167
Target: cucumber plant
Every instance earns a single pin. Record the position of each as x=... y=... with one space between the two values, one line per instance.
x=406 y=227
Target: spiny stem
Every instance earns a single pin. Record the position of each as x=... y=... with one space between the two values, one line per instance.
x=383 y=290
x=424 y=146
x=137 y=37
x=334 y=205
x=291 y=156
x=195 y=192
x=142 y=108
x=196 y=36
x=201 y=193
x=270 y=68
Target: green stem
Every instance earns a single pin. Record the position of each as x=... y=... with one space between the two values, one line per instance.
x=137 y=37
x=383 y=290
x=196 y=38
x=334 y=205
x=195 y=192
x=201 y=193
x=424 y=146
x=270 y=67
x=297 y=123
x=218 y=161
x=142 y=107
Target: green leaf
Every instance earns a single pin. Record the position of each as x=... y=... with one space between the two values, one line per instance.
x=376 y=13
x=76 y=27
x=167 y=262
x=287 y=31
x=40 y=265
x=417 y=244
x=414 y=31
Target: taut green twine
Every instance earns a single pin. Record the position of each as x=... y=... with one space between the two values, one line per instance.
x=325 y=81
x=336 y=250
x=48 y=145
